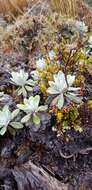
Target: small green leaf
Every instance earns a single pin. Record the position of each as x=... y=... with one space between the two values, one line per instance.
x=25 y=119
x=16 y=125
x=36 y=119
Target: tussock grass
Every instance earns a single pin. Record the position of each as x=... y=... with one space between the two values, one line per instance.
x=70 y=8
x=65 y=7
x=13 y=7
x=73 y=8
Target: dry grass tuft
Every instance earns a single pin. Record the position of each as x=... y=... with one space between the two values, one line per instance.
x=69 y=8
x=73 y=8
x=65 y=7
x=12 y=7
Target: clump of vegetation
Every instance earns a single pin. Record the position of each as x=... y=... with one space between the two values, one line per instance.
x=46 y=96
x=54 y=75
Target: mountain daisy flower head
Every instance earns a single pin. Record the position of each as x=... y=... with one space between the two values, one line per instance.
x=62 y=88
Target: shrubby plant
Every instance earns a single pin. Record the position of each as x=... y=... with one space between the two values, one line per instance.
x=58 y=73
x=21 y=80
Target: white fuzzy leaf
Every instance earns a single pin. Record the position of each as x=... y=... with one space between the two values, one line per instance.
x=16 y=125
x=25 y=118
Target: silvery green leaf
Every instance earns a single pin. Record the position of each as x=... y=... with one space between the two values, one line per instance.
x=5 y=116
x=16 y=125
x=30 y=82
x=73 y=89
x=24 y=92
x=36 y=102
x=36 y=119
x=21 y=106
x=3 y=131
x=25 y=118
x=5 y=108
x=28 y=88
x=14 y=113
x=60 y=101
x=74 y=98
x=52 y=90
x=19 y=91
x=43 y=108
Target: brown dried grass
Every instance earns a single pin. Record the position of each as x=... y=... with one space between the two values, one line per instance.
x=13 y=7
x=70 y=8
x=73 y=8
x=65 y=7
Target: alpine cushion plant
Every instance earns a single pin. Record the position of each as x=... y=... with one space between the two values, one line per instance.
x=62 y=88
x=6 y=120
x=31 y=108
x=21 y=79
